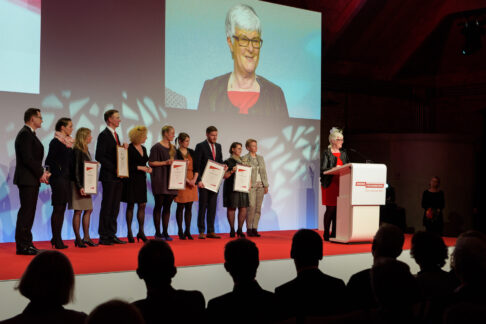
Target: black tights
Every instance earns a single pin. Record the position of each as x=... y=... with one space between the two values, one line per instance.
x=140 y=217
x=162 y=207
x=187 y=216
x=57 y=219
x=77 y=221
x=241 y=217
x=330 y=216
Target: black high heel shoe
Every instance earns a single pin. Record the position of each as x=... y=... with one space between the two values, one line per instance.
x=58 y=244
x=141 y=236
x=89 y=242
x=240 y=233
x=232 y=232
x=158 y=236
x=130 y=238
x=181 y=235
x=188 y=235
x=79 y=243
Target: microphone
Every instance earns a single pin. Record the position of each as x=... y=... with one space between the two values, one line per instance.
x=364 y=157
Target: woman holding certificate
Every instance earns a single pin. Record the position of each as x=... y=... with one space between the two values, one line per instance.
x=135 y=186
x=59 y=162
x=234 y=199
x=161 y=157
x=186 y=197
x=81 y=202
x=331 y=158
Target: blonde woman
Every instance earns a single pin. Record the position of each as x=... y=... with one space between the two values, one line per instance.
x=332 y=157
x=81 y=202
x=161 y=157
x=135 y=187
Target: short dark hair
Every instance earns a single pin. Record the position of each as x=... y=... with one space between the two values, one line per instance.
x=388 y=241
x=115 y=311
x=306 y=248
x=428 y=249
x=234 y=145
x=211 y=129
x=241 y=259
x=64 y=121
x=48 y=278
x=29 y=113
x=156 y=262
x=109 y=113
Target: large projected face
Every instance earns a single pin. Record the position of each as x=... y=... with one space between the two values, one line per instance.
x=20 y=24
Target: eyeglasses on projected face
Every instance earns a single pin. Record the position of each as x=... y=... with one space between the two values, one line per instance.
x=244 y=42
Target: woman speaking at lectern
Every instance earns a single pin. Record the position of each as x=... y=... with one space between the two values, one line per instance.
x=332 y=157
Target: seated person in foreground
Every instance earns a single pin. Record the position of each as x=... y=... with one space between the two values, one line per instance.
x=165 y=304
x=248 y=302
x=311 y=293
x=115 y=311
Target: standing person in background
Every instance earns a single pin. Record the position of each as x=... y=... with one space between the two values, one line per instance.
x=59 y=160
x=259 y=186
x=106 y=145
x=207 y=150
x=433 y=202
x=135 y=186
x=332 y=157
x=29 y=174
x=233 y=200
x=161 y=157
x=186 y=197
x=80 y=201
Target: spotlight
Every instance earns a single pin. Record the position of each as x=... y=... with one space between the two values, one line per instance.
x=472 y=31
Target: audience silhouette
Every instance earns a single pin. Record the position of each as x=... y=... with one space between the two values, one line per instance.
x=115 y=311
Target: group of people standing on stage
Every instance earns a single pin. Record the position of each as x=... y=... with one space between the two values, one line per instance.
x=64 y=171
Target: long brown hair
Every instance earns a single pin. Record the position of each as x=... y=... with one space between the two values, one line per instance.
x=81 y=136
x=172 y=150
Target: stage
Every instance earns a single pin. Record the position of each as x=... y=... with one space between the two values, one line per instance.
x=273 y=245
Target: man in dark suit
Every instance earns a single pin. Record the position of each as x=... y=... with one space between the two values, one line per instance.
x=164 y=304
x=106 y=145
x=312 y=293
x=207 y=150
x=28 y=176
x=248 y=302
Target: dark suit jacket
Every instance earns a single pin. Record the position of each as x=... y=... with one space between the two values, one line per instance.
x=47 y=314
x=29 y=153
x=312 y=293
x=59 y=160
x=247 y=303
x=172 y=306
x=359 y=291
x=329 y=161
x=106 y=155
x=203 y=154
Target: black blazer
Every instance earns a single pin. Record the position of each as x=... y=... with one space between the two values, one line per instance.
x=203 y=154
x=106 y=155
x=78 y=167
x=59 y=159
x=191 y=153
x=329 y=161
x=29 y=153
x=47 y=314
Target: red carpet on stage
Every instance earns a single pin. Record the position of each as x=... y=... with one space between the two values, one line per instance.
x=272 y=245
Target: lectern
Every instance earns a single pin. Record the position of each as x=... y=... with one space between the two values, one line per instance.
x=362 y=189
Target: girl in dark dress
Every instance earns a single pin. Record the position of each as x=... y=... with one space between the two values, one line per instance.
x=433 y=202
x=234 y=199
x=161 y=157
x=59 y=161
x=135 y=186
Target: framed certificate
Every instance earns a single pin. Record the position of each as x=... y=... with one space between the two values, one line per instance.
x=90 y=176
x=212 y=175
x=242 y=178
x=178 y=174
x=121 y=162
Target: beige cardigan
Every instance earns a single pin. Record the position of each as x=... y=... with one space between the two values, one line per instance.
x=263 y=171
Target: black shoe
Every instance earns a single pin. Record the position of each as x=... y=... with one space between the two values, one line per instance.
x=158 y=236
x=181 y=235
x=255 y=233
x=79 y=243
x=326 y=236
x=166 y=237
x=249 y=232
x=105 y=242
x=232 y=232
x=28 y=251
x=188 y=235
x=58 y=244
x=213 y=236
x=116 y=240
x=89 y=242
x=130 y=238
x=141 y=236
x=240 y=233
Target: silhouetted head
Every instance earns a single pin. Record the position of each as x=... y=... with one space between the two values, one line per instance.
x=393 y=285
x=428 y=250
x=388 y=242
x=469 y=258
x=156 y=263
x=115 y=311
x=49 y=278
x=241 y=260
x=306 y=248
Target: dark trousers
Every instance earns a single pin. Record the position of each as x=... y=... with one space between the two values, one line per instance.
x=110 y=206
x=25 y=217
x=330 y=217
x=207 y=202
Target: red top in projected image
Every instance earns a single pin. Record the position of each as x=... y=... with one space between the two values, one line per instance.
x=243 y=100
x=32 y=5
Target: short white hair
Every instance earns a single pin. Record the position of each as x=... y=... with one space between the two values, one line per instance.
x=335 y=133
x=244 y=17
